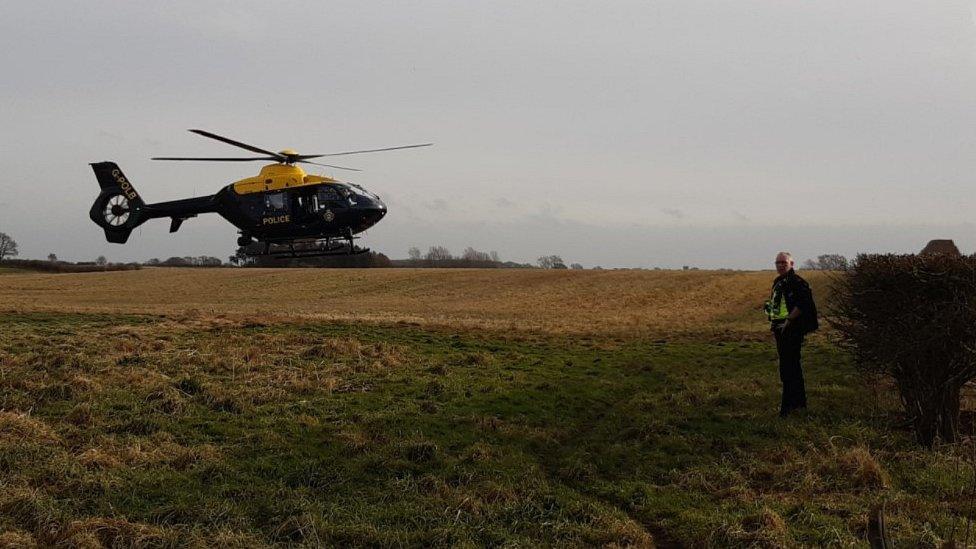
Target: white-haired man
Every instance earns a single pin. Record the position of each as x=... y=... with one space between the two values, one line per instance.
x=792 y=314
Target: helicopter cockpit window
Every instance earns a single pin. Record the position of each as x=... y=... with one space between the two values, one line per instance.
x=343 y=191
x=275 y=201
x=362 y=191
x=327 y=193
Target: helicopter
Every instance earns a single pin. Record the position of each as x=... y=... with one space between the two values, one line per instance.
x=282 y=211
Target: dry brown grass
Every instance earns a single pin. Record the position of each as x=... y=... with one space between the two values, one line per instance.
x=623 y=301
x=15 y=426
x=166 y=369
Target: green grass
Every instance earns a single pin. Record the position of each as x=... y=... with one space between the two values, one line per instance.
x=147 y=430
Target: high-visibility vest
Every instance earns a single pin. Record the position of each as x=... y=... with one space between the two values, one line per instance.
x=776 y=305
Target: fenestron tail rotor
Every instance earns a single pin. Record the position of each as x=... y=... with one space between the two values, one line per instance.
x=286 y=156
x=116 y=211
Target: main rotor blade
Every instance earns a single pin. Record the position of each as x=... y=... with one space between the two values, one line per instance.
x=229 y=141
x=306 y=156
x=272 y=158
x=328 y=165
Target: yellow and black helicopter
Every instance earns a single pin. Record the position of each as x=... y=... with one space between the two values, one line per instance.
x=282 y=211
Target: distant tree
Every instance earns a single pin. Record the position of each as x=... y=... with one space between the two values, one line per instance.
x=101 y=261
x=471 y=254
x=551 y=262
x=53 y=258
x=242 y=258
x=176 y=262
x=414 y=253
x=438 y=253
x=8 y=247
x=827 y=262
x=239 y=258
x=154 y=261
x=832 y=262
x=207 y=261
x=576 y=266
x=379 y=260
x=494 y=256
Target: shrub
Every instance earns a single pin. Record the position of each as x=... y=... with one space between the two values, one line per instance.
x=913 y=318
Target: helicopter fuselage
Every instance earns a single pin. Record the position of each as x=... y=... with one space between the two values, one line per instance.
x=285 y=203
x=281 y=204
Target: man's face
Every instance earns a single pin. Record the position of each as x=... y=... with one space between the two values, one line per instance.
x=783 y=264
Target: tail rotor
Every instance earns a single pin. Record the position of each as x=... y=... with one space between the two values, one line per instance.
x=118 y=208
x=117 y=211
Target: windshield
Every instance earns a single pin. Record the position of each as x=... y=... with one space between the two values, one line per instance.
x=343 y=190
x=363 y=191
x=328 y=193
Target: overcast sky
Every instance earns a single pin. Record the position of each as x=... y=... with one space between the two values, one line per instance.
x=645 y=133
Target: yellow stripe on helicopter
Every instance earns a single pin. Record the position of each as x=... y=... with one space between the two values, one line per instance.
x=276 y=177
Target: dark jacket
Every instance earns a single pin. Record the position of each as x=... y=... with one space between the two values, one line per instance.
x=797 y=293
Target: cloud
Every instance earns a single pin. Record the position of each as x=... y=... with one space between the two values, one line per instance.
x=739 y=216
x=673 y=212
x=546 y=213
x=438 y=204
x=503 y=202
x=112 y=136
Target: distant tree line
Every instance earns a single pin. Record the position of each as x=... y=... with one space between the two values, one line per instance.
x=435 y=256
x=67 y=266
x=358 y=261
x=8 y=250
x=439 y=256
x=187 y=261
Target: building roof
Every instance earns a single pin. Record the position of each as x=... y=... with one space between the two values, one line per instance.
x=946 y=246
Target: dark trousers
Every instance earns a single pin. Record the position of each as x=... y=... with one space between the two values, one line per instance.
x=788 y=344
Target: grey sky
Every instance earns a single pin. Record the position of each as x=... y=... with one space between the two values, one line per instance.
x=622 y=134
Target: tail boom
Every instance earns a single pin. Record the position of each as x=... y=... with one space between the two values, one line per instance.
x=119 y=209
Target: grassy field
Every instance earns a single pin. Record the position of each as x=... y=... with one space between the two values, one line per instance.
x=202 y=419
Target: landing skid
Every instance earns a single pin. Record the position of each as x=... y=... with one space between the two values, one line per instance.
x=304 y=248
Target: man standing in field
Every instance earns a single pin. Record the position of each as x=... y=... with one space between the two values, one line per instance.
x=792 y=314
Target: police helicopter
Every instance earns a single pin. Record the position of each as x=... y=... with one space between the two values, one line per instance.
x=282 y=211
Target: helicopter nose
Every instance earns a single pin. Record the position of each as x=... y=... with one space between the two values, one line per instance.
x=377 y=213
x=371 y=213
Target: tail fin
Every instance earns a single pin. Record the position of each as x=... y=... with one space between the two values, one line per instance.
x=118 y=208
